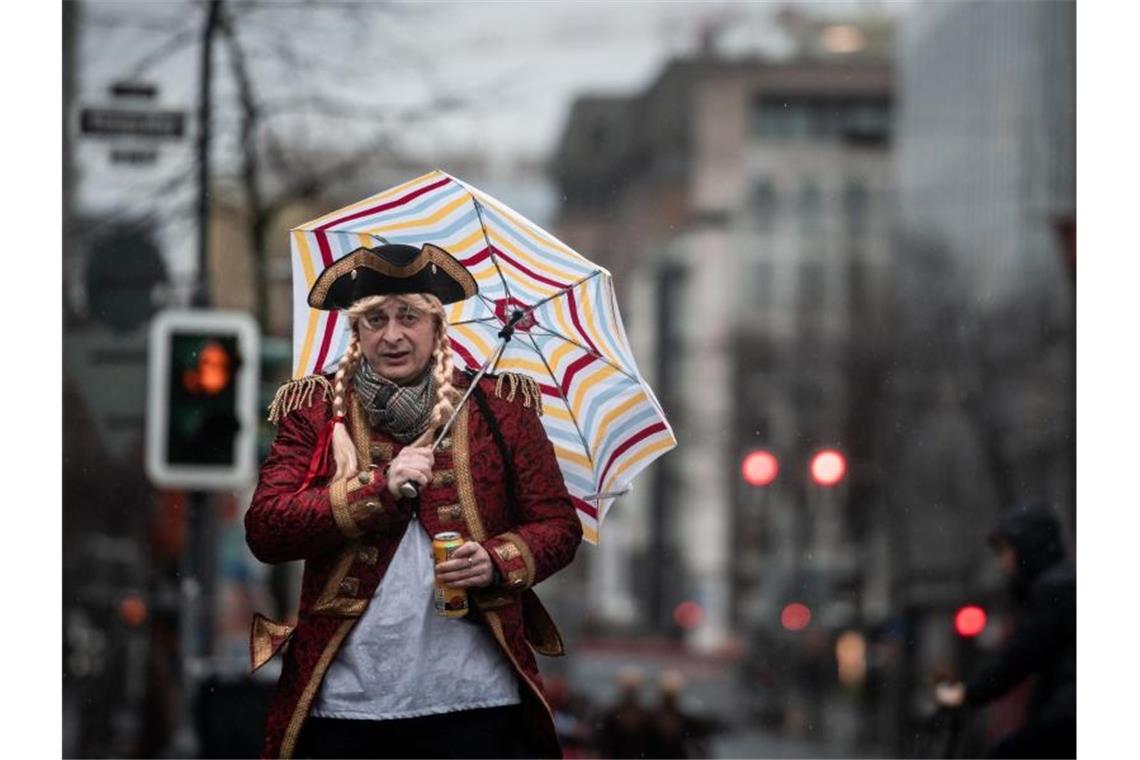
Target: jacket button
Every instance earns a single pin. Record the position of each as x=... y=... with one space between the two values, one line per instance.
x=365 y=477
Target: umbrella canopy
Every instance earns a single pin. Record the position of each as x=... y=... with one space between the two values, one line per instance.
x=602 y=417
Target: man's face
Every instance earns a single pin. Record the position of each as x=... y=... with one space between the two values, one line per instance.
x=397 y=340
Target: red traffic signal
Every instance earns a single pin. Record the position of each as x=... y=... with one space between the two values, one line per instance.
x=828 y=467
x=795 y=616
x=970 y=621
x=688 y=614
x=759 y=468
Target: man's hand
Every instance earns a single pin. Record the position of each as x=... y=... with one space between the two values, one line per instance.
x=413 y=463
x=469 y=567
x=950 y=694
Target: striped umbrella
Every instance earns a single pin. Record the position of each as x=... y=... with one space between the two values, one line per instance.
x=602 y=417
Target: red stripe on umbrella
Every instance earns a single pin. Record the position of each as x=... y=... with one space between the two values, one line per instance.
x=471 y=361
x=656 y=427
x=530 y=272
x=578 y=324
x=573 y=369
x=476 y=258
x=385 y=206
x=585 y=506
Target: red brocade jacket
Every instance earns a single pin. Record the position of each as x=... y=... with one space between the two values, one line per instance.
x=347 y=533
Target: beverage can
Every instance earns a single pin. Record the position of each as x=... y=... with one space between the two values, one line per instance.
x=449 y=600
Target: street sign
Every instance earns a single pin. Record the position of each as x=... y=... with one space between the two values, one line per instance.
x=132 y=121
x=201 y=426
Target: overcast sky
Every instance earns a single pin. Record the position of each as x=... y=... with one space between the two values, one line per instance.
x=515 y=67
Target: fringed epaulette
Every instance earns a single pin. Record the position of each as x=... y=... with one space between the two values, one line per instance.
x=296 y=394
x=524 y=386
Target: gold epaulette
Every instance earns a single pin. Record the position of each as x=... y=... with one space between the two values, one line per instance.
x=525 y=385
x=297 y=393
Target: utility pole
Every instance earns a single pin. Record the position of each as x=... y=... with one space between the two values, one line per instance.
x=196 y=594
x=201 y=297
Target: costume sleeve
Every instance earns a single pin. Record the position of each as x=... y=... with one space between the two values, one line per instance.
x=283 y=525
x=548 y=530
x=1044 y=629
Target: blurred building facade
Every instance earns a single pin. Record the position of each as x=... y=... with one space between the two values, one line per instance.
x=744 y=208
x=979 y=409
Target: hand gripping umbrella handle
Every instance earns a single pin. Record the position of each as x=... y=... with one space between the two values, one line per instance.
x=408 y=489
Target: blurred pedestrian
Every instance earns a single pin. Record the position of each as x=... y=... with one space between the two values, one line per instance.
x=625 y=725
x=1043 y=644
x=672 y=732
x=372 y=670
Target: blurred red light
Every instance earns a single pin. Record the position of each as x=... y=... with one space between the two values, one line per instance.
x=759 y=468
x=970 y=621
x=688 y=615
x=795 y=616
x=133 y=610
x=828 y=467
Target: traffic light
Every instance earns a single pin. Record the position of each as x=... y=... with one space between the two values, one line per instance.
x=828 y=467
x=795 y=616
x=202 y=384
x=759 y=468
x=969 y=621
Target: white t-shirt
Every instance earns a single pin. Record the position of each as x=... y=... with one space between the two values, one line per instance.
x=402 y=659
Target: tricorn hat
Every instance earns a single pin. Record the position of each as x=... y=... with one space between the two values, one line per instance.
x=391 y=269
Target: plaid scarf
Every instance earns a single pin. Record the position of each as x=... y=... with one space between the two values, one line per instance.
x=402 y=411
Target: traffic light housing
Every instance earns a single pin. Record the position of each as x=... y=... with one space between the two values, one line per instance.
x=202 y=386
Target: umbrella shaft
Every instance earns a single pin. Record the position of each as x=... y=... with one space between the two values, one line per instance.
x=408 y=488
x=458 y=407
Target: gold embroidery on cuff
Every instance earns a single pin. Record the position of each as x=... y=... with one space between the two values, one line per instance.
x=528 y=558
x=507 y=552
x=338 y=498
x=517 y=578
x=362 y=510
x=348 y=587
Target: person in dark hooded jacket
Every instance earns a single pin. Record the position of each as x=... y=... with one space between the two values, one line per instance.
x=1044 y=641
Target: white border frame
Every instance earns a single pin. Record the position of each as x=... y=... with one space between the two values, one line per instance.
x=199 y=477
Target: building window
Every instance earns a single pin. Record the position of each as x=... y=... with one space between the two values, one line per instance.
x=811 y=291
x=855 y=205
x=763 y=205
x=861 y=120
x=760 y=292
x=811 y=206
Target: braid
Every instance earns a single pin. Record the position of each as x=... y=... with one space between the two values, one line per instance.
x=345 y=369
x=442 y=370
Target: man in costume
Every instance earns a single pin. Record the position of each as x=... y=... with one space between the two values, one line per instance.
x=370 y=669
